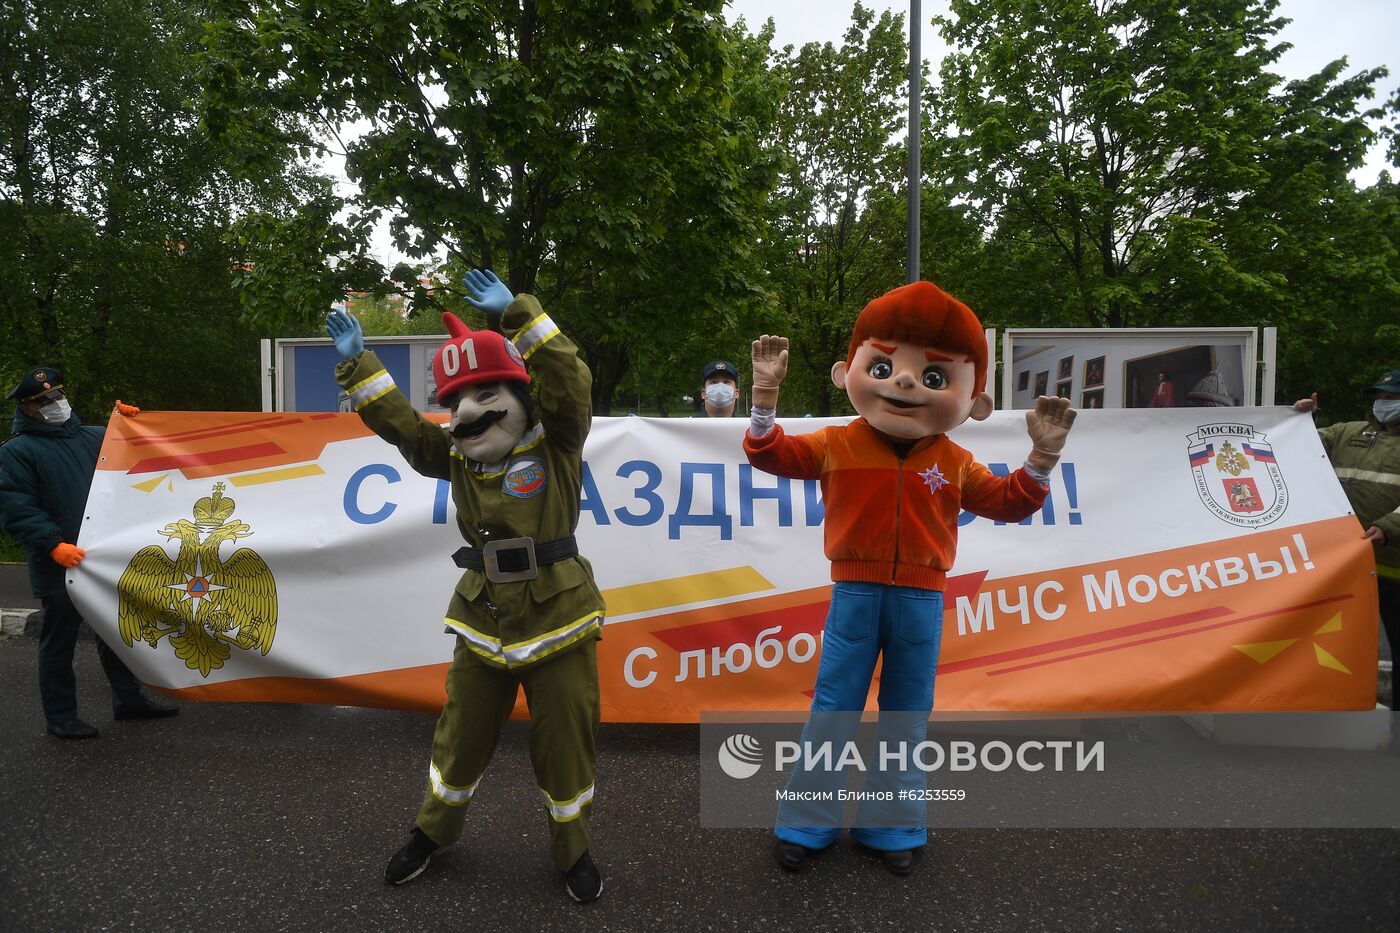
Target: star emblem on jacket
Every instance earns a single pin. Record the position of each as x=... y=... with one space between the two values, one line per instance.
x=933 y=478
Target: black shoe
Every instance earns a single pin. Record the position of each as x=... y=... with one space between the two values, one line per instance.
x=408 y=863
x=790 y=855
x=584 y=881
x=146 y=709
x=900 y=862
x=72 y=729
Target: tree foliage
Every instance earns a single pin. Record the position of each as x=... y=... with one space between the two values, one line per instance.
x=114 y=264
x=1136 y=163
x=593 y=153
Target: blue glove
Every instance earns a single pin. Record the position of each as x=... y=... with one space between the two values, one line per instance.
x=487 y=293
x=345 y=331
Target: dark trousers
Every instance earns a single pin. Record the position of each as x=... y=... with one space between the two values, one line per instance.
x=1388 y=589
x=57 y=685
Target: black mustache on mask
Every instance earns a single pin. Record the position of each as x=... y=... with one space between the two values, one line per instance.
x=479 y=425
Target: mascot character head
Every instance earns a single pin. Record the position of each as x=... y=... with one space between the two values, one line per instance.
x=917 y=363
x=481 y=379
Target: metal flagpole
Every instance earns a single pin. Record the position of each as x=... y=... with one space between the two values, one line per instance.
x=915 y=80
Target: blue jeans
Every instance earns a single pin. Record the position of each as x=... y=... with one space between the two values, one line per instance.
x=868 y=620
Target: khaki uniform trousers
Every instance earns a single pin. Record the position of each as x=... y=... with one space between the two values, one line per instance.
x=562 y=695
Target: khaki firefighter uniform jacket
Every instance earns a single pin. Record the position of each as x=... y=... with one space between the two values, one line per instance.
x=534 y=492
x=1367 y=460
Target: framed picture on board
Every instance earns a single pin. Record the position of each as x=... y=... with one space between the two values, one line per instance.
x=1023 y=380
x=1093 y=372
x=1092 y=398
x=1064 y=389
x=1042 y=383
x=1066 y=368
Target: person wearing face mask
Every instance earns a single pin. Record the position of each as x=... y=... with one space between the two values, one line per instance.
x=719 y=388
x=526 y=612
x=46 y=467
x=1366 y=456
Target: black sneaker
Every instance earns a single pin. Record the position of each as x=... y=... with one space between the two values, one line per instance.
x=72 y=729
x=584 y=881
x=408 y=863
x=790 y=855
x=147 y=709
x=900 y=861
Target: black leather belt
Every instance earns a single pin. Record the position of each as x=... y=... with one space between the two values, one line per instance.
x=513 y=559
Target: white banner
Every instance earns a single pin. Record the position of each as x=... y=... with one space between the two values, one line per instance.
x=1185 y=559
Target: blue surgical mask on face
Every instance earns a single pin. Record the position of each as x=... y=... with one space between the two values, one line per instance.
x=1386 y=410
x=719 y=394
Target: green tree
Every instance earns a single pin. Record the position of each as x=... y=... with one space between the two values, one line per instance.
x=836 y=232
x=591 y=152
x=1130 y=154
x=115 y=264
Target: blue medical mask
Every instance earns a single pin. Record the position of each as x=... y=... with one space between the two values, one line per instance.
x=719 y=394
x=1386 y=410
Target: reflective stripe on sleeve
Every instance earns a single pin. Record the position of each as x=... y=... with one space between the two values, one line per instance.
x=376 y=386
x=562 y=811
x=1368 y=476
x=528 y=339
x=453 y=796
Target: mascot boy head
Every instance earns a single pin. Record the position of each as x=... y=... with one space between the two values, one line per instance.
x=917 y=363
x=481 y=379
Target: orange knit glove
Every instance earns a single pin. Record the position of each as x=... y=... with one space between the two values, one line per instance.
x=131 y=411
x=69 y=555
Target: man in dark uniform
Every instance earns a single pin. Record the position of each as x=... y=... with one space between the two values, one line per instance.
x=46 y=469
x=719 y=389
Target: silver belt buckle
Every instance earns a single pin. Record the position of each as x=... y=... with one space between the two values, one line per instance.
x=490 y=556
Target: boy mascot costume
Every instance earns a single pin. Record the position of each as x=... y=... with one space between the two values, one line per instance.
x=893 y=485
x=526 y=611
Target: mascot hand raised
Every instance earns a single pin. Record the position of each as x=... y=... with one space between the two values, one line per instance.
x=345 y=331
x=487 y=294
x=1048 y=425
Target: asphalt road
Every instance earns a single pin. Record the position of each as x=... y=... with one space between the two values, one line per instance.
x=271 y=817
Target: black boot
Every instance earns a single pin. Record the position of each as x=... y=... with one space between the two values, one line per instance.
x=72 y=729
x=146 y=708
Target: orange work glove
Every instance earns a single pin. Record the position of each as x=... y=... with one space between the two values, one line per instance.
x=69 y=555
x=130 y=411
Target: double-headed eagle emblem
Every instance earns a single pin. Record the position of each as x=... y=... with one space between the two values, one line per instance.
x=207 y=605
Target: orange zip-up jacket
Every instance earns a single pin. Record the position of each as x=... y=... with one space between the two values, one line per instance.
x=892 y=519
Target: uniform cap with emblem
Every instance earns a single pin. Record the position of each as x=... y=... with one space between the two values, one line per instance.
x=38 y=381
x=1389 y=382
x=719 y=368
x=472 y=357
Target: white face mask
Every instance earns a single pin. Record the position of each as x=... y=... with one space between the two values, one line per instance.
x=719 y=394
x=1386 y=410
x=56 y=412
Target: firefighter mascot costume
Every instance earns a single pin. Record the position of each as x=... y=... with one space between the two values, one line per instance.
x=526 y=611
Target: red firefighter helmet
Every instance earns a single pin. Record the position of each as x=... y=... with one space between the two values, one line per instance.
x=471 y=357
